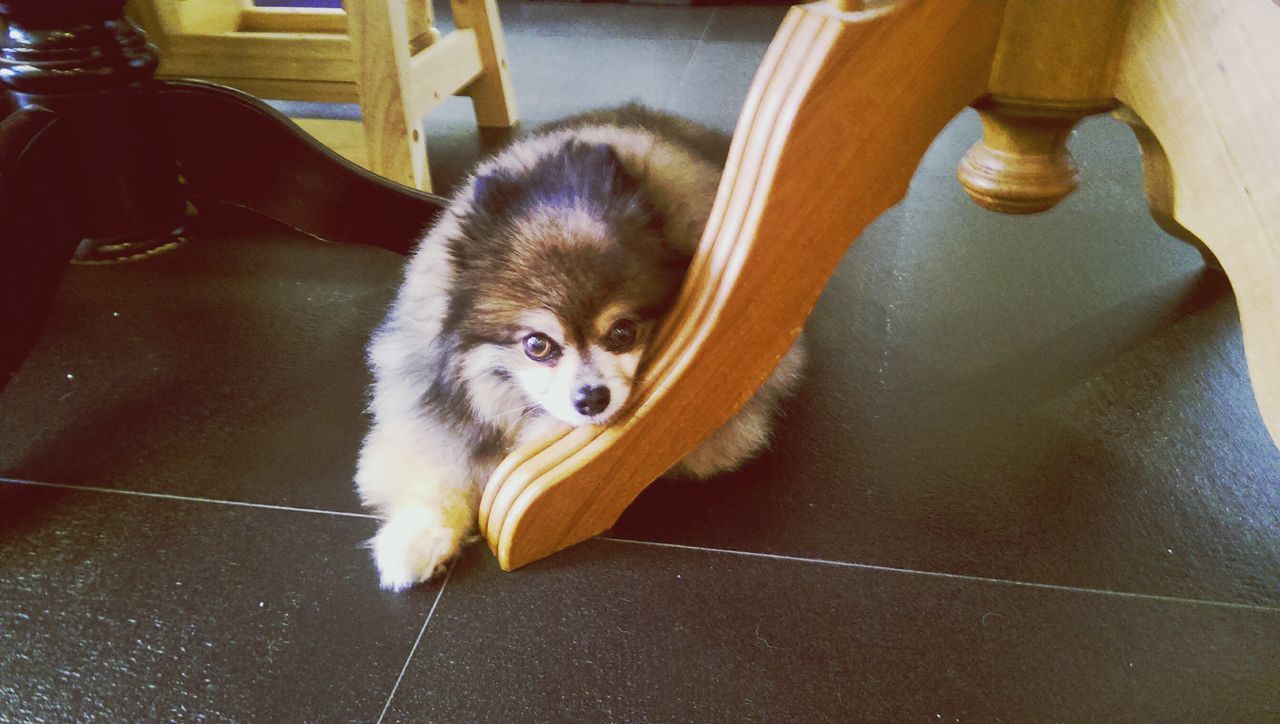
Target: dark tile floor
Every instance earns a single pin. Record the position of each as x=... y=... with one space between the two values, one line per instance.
x=1025 y=478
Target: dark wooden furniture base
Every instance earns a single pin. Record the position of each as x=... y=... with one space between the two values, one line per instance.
x=99 y=162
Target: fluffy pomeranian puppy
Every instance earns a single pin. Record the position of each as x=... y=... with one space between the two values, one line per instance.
x=529 y=306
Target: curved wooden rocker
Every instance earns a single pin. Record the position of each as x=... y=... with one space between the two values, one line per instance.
x=843 y=106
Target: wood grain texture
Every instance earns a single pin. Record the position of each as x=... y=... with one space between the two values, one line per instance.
x=323 y=91
x=883 y=81
x=443 y=67
x=382 y=53
x=293 y=20
x=302 y=56
x=1058 y=53
x=1204 y=77
x=1054 y=64
x=420 y=19
x=491 y=94
x=395 y=141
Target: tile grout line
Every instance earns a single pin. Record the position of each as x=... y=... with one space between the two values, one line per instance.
x=680 y=546
x=951 y=576
x=711 y=18
x=684 y=72
x=439 y=594
x=184 y=498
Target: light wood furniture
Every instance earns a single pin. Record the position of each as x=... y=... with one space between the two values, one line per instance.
x=385 y=54
x=846 y=101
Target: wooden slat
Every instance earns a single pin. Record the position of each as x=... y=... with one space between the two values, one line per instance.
x=203 y=16
x=274 y=56
x=493 y=94
x=293 y=20
x=443 y=69
x=285 y=90
x=394 y=135
x=283 y=46
x=419 y=23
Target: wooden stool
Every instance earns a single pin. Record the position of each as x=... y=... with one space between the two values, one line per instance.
x=385 y=54
x=843 y=106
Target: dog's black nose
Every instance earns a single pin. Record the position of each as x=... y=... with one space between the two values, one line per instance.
x=591 y=400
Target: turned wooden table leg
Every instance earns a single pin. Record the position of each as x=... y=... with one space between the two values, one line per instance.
x=1204 y=77
x=1053 y=66
x=1021 y=165
x=841 y=110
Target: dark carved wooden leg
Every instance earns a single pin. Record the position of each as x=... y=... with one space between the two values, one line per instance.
x=100 y=162
x=39 y=227
x=84 y=62
x=232 y=148
x=82 y=168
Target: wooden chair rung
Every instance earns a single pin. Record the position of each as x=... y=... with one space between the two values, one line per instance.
x=311 y=54
x=442 y=69
x=293 y=20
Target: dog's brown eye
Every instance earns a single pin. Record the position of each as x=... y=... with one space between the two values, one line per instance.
x=539 y=348
x=622 y=335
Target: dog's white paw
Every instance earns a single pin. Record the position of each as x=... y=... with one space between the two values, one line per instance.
x=415 y=544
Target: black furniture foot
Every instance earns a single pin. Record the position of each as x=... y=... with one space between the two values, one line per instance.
x=40 y=225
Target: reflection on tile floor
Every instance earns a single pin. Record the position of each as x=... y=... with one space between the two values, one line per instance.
x=1024 y=479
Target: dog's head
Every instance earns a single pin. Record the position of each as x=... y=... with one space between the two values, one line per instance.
x=563 y=273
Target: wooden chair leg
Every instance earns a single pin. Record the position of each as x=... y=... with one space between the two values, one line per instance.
x=1204 y=77
x=491 y=93
x=841 y=110
x=394 y=136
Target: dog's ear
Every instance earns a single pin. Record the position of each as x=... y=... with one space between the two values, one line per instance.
x=600 y=166
x=580 y=171
x=494 y=191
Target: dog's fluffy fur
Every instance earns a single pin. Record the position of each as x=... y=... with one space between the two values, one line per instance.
x=528 y=307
